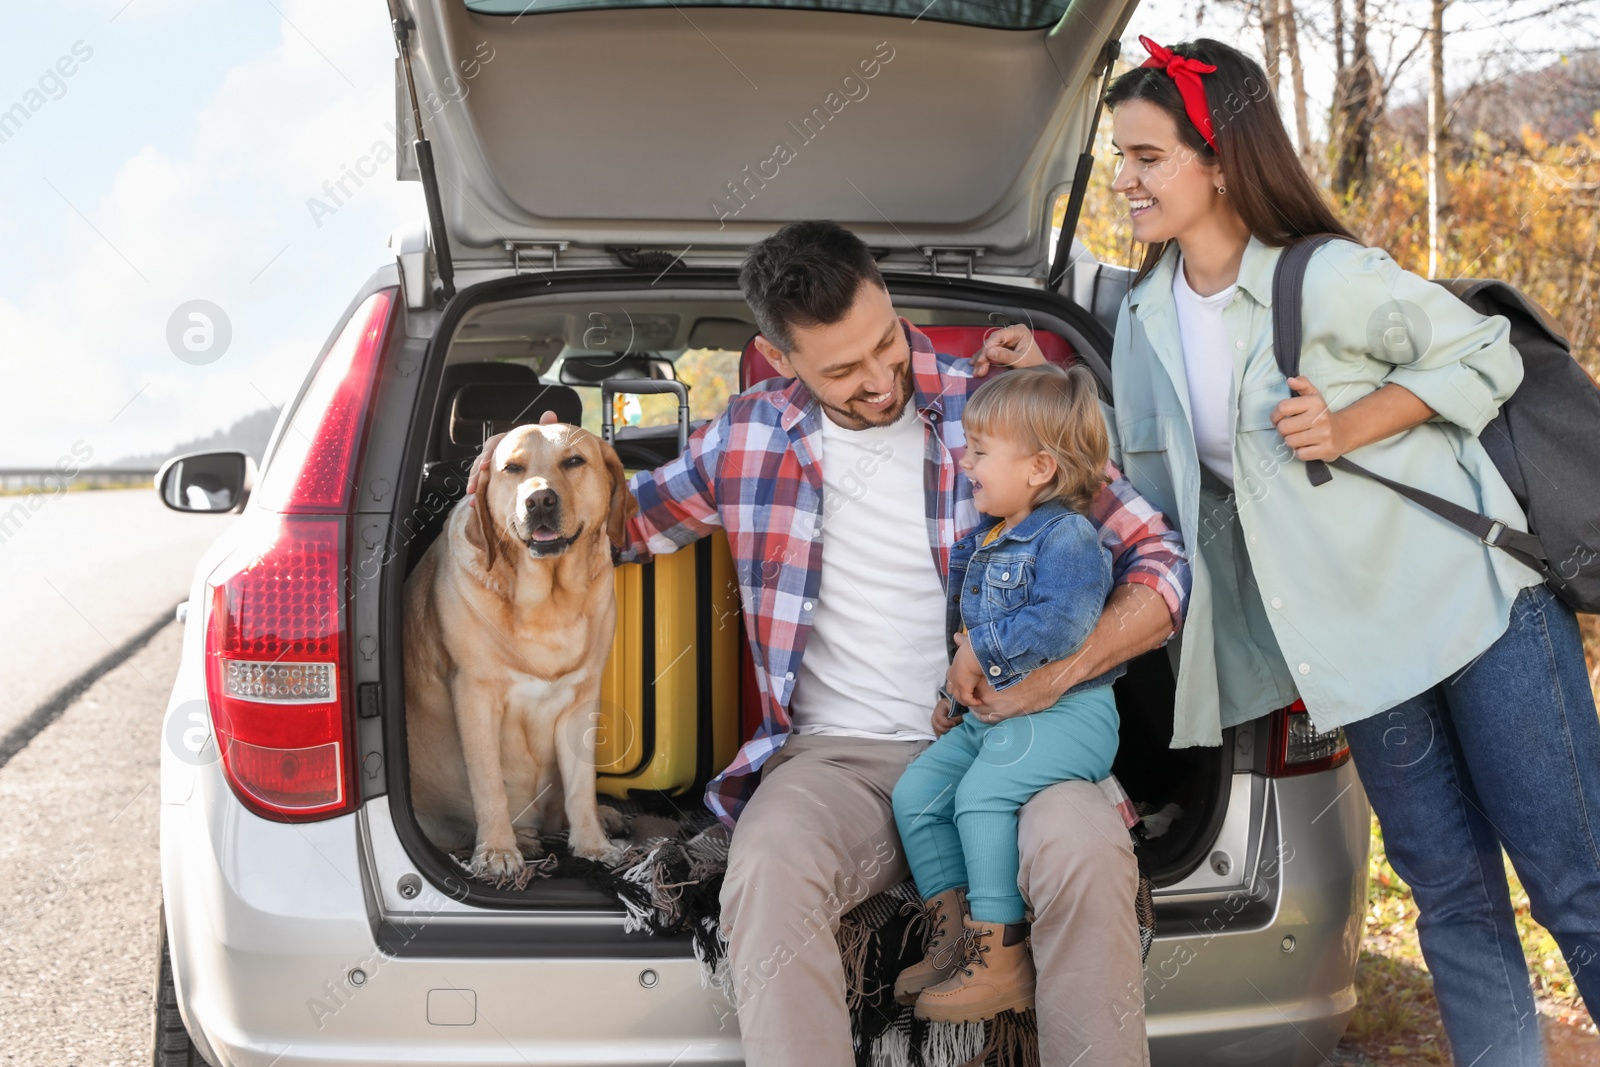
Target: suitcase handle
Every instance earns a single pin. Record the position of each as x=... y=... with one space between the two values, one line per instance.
x=640 y=387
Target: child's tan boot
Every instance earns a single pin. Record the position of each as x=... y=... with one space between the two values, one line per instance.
x=947 y=913
x=995 y=975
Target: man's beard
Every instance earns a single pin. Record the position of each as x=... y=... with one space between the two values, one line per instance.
x=854 y=420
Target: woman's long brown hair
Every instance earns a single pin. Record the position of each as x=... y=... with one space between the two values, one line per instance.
x=1266 y=184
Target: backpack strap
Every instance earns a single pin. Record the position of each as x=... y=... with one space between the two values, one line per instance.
x=1288 y=294
x=1491 y=532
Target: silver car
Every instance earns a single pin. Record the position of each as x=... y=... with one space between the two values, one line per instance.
x=594 y=172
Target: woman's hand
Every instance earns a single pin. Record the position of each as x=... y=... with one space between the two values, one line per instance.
x=964 y=674
x=943 y=721
x=1314 y=432
x=1010 y=346
x=1307 y=425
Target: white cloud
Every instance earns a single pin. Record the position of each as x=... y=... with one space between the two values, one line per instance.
x=88 y=335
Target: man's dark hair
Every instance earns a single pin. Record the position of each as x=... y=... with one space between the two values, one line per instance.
x=806 y=274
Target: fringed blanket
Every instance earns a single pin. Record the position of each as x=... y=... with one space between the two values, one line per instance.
x=669 y=881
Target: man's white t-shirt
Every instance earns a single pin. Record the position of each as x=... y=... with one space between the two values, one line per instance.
x=876 y=653
x=1208 y=364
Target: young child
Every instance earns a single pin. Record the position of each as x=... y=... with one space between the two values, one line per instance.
x=1027 y=588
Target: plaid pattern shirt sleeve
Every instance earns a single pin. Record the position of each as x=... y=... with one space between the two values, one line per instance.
x=1145 y=549
x=678 y=500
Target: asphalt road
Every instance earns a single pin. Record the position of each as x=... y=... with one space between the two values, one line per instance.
x=80 y=878
x=81 y=574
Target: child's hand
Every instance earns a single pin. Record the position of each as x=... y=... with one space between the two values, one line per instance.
x=964 y=674
x=1012 y=346
x=943 y=721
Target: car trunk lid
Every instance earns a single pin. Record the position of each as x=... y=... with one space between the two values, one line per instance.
x=566 y=137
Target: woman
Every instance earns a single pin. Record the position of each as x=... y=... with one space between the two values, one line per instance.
x=1458 y=677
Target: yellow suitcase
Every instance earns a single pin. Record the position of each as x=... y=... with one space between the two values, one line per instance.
x=669 y=701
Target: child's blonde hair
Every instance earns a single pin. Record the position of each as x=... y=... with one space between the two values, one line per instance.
x=1052 y=410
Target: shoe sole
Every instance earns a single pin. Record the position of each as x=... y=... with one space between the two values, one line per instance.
x=1021 y=1000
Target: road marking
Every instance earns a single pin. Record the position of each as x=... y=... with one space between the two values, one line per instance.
x=16 y=739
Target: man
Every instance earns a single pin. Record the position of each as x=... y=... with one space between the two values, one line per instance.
x=859 y=454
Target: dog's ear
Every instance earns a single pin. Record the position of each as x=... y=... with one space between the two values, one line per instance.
x=623 y=506
x=481 y=530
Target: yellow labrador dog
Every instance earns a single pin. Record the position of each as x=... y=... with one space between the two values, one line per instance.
x=509 y=619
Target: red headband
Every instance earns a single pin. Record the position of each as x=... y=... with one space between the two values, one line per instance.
x=1186 y=73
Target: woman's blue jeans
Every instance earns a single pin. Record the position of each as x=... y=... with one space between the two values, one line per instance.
x=1503 y=754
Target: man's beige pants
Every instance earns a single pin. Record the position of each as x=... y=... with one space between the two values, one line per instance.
x=818 y=838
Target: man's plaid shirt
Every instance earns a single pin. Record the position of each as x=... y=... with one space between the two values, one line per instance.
x=754 y=472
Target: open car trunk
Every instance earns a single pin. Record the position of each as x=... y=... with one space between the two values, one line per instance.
x=572 y=134
x=530 y=334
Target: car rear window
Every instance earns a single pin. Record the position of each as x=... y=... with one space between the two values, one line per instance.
x=995 y=14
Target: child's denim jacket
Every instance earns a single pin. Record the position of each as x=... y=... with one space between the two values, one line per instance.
x=1032 y=596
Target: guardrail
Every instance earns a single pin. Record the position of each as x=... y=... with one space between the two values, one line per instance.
x=53 y=479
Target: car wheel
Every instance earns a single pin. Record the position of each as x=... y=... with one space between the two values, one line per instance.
x=172 y=1045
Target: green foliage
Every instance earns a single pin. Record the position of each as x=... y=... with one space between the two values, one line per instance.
x=712 y=375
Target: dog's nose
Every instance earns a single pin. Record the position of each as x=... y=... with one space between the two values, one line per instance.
x=543 y=504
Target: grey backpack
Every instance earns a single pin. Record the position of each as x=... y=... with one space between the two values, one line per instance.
x=1545 y=441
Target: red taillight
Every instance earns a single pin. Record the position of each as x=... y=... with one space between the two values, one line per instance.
x=277 y=652
x=313 y=470
x=275 y=669
x=1297 y=747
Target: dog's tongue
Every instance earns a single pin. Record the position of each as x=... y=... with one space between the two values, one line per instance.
x=544 y=533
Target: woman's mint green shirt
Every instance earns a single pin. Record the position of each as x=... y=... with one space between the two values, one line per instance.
x=1346 y=593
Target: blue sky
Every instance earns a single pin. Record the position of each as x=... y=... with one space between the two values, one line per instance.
x=175 y=163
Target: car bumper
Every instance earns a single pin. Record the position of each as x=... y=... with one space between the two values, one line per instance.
x=1267 y=975
x=269 y=924
x=276 y=963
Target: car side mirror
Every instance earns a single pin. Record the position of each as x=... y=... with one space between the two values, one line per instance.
x=206 y=482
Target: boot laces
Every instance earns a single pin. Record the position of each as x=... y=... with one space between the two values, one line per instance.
x=939 y=918
x=974 y=950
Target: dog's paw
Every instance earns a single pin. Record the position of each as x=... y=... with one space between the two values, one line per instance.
x=528 y=843
x=599 y=849
x=612 y=821
x=493 y=862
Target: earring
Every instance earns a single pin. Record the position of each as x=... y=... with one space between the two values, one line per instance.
x=1222 y=188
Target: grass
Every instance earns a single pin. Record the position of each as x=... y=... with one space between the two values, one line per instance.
x=1396 y=1022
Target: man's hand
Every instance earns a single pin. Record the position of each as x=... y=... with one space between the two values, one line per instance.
x=1010 y=346
x=1135 y=620
x=943 y=721
x=488 y=453
x=964 y=674
x=482 y=466
x=1035 y=691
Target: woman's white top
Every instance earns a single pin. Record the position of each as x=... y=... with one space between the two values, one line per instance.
x=1208 y=362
